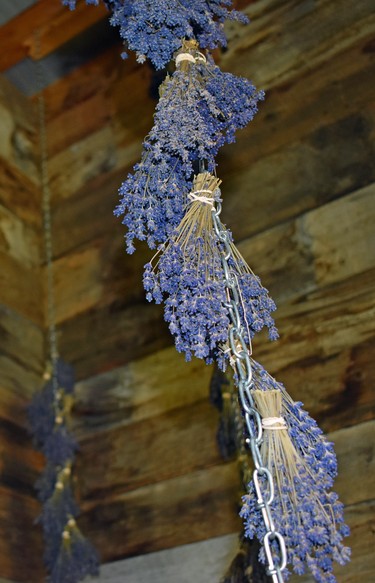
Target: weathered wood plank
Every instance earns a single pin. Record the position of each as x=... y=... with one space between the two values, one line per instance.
x=20 y=464
x=20 y=288
x=306 y=34
x=159 y=448
x=300 y=176
x=97 y=341
x=22 y=538
x=321 y=323
x=15 y=186
x=355 y=448
x=312 y=251
x=18 y=136
x=21 y=339
x=147 y=387
x=17 y=385
x=56 y=25
x=18 y=239
x=208 y=560
x=326 y=384
x=314 y=254
x=173 y=512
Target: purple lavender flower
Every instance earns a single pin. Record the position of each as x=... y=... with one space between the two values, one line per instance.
x=154 y=28
x=189 y=277
x=199 y=111
x=305 y=512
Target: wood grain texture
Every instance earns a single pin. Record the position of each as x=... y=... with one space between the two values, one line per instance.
x=144 y=388
x=207 y=560
x=18 y=133
x=164 y=515
x=21 y=548
x=149 y=523
x=314 y=254
x=55 y=23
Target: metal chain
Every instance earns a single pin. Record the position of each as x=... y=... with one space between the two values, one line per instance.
x=47 y=220
x=276 y=560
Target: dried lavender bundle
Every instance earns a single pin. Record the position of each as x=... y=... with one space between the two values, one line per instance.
x=76 y=557
x=303 y=466
x=48 y=416
x=200 y=109
x=187 y=274
x=154 y=28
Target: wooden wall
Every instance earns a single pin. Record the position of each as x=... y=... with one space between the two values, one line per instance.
x=298 y=190
x=21 y=333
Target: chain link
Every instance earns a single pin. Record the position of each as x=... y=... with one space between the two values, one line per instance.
x=240 y=358
x=47 y=217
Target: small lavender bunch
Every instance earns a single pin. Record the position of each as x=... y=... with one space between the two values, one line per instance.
x=303 y=466
x=76 y=557
x=200 y=109
x=189 y=277
x=48 y=416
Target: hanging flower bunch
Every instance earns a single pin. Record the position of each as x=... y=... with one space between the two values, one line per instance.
x=200 y=109
x=303 y=465
x=68 y=555
x=154 y=28
x=188 y=276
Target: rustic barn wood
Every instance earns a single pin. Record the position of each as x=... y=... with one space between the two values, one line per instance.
x=207 y=561
x=55 y=25
x=299 y=196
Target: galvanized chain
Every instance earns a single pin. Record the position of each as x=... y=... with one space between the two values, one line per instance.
x=240 y=357
x=47 y=219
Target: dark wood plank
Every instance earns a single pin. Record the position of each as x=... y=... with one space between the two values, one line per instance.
x=97 y=341
x=147 y=387
x=153 y=455
x=22 y=538
x=182 y=510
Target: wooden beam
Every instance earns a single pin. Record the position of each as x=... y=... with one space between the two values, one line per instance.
x=21 y=289
x=185 y=509
x=202 y=504
x=147 y=387
x=153 y=455
x=22 y=538
x=55 y=25
x=96 y=341
x=314 y=254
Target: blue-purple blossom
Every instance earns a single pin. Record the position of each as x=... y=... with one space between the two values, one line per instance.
x=200 y=109
x=154 y=28
x=189 y=278
x=305 y=512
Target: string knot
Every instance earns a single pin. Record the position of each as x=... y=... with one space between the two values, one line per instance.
x=274 y=423
x=197 y=196
x=189 y=57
